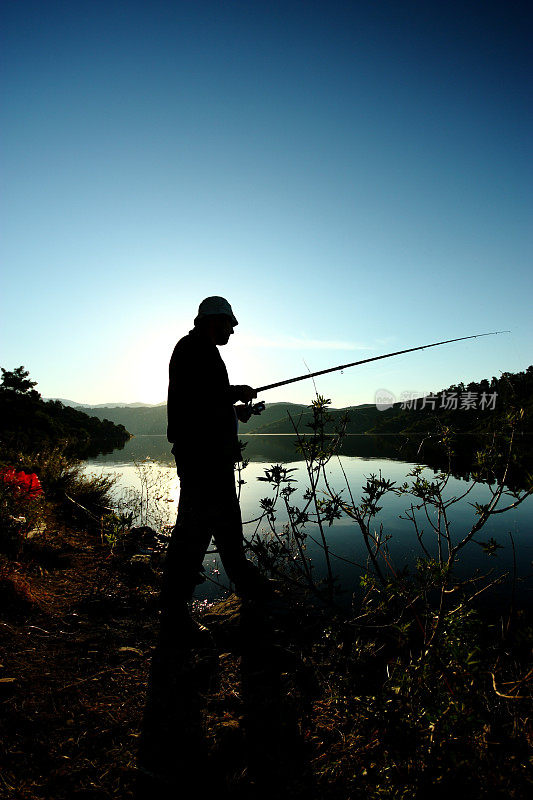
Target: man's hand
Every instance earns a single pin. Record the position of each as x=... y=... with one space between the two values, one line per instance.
x=243 y=413
x=246 y=394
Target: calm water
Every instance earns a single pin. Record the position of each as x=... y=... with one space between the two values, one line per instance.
x=145 y=468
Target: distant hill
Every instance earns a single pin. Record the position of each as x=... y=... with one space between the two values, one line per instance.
x=152 y=420
x=274 y=416
x=73 y=404
x=472 y=408
x=137 y=419
x=511 y=389
x=469 y=409
x=275 y=419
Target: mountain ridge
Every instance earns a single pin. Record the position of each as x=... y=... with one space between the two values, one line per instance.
x=508 y=391
x=74 y=404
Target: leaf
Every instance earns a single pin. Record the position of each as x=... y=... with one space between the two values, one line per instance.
x=491 y=546
x=130 y=650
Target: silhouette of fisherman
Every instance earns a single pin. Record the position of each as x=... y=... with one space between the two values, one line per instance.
x=205 y=445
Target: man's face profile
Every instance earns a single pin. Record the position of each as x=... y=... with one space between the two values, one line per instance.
x=222 y=329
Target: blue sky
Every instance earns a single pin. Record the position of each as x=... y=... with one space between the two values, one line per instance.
x=355 y=177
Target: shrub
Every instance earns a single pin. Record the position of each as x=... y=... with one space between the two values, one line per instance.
x=21 y=497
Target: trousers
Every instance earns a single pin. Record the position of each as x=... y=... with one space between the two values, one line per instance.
x=208 y=507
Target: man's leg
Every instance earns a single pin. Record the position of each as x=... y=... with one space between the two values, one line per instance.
x=228 y=536
x=186 y=550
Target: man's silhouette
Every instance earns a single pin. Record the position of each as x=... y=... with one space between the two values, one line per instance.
x=202 y=426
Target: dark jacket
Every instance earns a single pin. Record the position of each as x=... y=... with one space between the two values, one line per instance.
x=201 y=418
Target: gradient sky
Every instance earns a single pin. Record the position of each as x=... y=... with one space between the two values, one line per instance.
x=355 y=177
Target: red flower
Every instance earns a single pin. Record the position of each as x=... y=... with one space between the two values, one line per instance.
x=24 y=485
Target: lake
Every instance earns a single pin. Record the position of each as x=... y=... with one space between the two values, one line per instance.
x=145 y=471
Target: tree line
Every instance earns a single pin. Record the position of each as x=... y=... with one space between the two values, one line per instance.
x=29 y=423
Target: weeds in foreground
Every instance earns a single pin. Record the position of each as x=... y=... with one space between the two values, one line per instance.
x=65 y=493
x=151 y=502
x=429 y=509
x=419 y=687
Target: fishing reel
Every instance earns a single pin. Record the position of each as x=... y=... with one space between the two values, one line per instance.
x=246 y=411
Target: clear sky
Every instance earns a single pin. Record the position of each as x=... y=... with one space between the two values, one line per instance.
x=355 y=177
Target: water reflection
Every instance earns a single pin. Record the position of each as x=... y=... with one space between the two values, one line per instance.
x=282 y=449
x=362 y=455
x=274 y=448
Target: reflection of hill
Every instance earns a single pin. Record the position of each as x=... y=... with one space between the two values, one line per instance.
x=273 y=449
x=281 y=449
x=138 y=449
x=423 y=449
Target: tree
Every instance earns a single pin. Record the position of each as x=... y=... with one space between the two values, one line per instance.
x=18 y=382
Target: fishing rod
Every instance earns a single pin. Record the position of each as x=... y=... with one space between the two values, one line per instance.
x=375 y=358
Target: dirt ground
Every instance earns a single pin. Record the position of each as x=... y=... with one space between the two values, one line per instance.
x=91 y=706
x=80 y=671
x=75 y=643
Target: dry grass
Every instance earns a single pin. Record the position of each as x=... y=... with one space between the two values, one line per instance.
x=72 y=707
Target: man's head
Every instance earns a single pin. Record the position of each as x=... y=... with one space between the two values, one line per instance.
x=216 y=318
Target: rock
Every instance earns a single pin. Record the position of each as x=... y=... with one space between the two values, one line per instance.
x=140 y=567
x=144 y=535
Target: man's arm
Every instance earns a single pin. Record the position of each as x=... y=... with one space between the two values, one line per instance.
x=244 y=394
